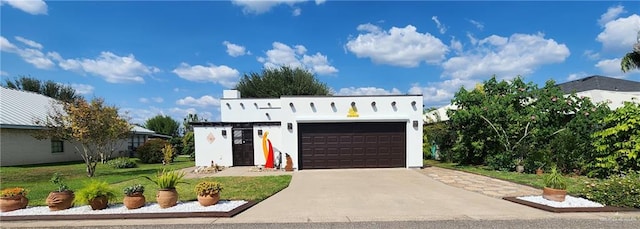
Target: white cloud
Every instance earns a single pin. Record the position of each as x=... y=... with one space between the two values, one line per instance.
x=222 y=74
x=180 y=112
x=404 y=47
x=456 y=45
x=111 y=67
x=477 y=24
x=620 y=34
x=259 y=7
x=591 y=54
x=143 y=100
x=83 y=89
x=3 y=73
x=141 y=115
x=30 y=55
x=28 y=42
x=611 y=14
x=576 y=76
x=34 y=7
x=611 y=67
x=235 y=50
x=367 y=91
x=515 y=55
x=318 y=2
x=441 y=28
x=296 y=57
x=296 y=12
x=158 y=99
x=204 y=101
x=441 y=93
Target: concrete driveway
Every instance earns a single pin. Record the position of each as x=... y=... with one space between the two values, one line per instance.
x=377 y=195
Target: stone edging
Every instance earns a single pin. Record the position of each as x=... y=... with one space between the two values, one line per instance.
x=565 y=210
x=231 y=213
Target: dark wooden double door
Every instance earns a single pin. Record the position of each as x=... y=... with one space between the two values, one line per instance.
x=242 y=146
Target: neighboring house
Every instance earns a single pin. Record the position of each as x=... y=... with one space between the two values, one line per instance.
x=19 y=110
x=318 y=132
x=598 y=88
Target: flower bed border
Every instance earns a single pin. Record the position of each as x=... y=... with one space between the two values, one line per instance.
x=212 y=214
x=565 y=210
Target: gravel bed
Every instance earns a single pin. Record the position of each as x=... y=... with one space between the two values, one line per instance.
x=192 y=206
x=569 y=202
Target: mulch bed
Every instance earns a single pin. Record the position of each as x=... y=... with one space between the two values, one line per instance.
x=565 y=210
x=212 y=214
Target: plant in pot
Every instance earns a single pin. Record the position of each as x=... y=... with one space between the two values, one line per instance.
x=96 y=194
x=208 y=192
x=167 y=180
x=12 y=199
x=555 y=186
x=62 y=198
x=134 y=196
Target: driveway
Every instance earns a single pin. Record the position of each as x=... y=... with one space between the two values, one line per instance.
x=345 y=195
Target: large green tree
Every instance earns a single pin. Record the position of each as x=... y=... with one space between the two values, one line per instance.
x=95 y=129
x=163 y=124
x=276 y=82
x=48 y=88
x=618 y=143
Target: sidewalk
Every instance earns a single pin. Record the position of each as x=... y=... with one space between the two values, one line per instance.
x=476 y=183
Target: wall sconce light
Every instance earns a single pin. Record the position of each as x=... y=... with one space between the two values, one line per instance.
x=260 y=132
x=289 y=126
x=224 y=133
x=415 y=123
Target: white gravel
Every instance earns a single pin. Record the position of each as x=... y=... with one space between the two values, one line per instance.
x=192 y=206
x=569 y=202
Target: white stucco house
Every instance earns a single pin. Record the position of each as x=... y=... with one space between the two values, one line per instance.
x=599 y=89
x=18 y=112
x=317 y=132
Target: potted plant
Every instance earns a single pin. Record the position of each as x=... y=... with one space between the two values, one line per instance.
x=97 y=194
x=134 y=196
x=555 y=186
x=519 y=165
x=208 y=192
x=167 y=180
x=12 y=199
x=62 y=198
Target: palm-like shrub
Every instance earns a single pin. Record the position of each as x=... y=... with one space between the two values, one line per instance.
x=555 y=180
x=168 y=179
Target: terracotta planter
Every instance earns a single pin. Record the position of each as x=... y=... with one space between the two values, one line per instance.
x=539 y=172
x=209 y=199
x=13 y=203
x=554 y=194
x=167 y=198
x=134 y=201
x=99 y=203
x=60 y=200
x=520 y=168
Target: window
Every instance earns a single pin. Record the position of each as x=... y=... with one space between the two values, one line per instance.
x=57 y=146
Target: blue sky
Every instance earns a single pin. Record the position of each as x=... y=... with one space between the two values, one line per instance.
x=175 y=58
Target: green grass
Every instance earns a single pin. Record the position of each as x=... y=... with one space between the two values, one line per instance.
x=35 y=178
x=575 y=184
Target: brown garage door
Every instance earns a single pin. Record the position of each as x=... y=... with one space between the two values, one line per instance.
x=351 y=145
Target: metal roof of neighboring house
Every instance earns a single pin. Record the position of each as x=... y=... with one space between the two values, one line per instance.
x=141 y=130
x=597 y=82
x=20 y=109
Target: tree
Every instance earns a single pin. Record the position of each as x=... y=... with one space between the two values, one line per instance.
x=163 y=124
x=191 y=118
x=273 y=83
x=49 y=88
x=618 y=144
x=93 y=128
x=631 y=60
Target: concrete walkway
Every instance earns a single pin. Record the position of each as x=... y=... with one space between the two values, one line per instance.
x=480 y=184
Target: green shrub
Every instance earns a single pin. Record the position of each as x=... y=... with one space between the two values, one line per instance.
x=555 y=180
x=188 y=145
x=93 y=190
x=151 y=151
x=617 y=143
x=168 y=153
x=122 y=163
x=621 y=191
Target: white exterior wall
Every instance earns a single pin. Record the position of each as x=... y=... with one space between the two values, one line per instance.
x=19 y=147
x=407 y=109
x=219 y=151
x=275 y=136
x=250 y=110
x=614 y=99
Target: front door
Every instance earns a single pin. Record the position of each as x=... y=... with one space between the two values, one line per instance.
x=242 y=147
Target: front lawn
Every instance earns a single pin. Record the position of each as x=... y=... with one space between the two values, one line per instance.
x=575 y=184
x=35 y=178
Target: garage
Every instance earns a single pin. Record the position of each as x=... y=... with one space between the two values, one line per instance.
x=352 y=145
